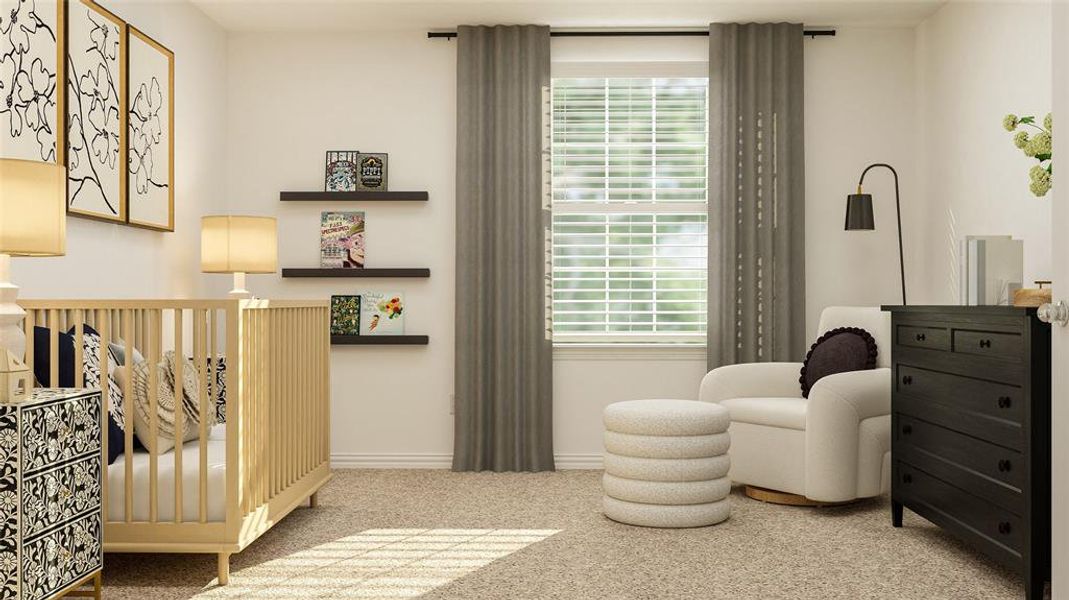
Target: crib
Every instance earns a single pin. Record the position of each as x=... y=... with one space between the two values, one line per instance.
x=230 y=484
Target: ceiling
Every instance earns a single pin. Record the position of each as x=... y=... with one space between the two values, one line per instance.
x=387 y=15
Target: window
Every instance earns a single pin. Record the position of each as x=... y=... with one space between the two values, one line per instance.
x=629 y=191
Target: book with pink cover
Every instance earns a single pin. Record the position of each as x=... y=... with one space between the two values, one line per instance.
x=341 y=242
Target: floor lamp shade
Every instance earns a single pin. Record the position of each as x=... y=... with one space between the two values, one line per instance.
x=859 y=213
x=33 y=208
x=237 y=244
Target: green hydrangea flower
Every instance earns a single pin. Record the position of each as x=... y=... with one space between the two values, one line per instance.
x=1041 y=181
x=1048 y=122
x=1020 y=139
x=1010 y=122
x=1039 y=188
x=1038 y=145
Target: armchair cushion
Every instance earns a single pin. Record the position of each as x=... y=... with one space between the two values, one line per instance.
x=838 y=351
x=788 y=413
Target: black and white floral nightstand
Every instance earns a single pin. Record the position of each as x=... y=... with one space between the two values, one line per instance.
x=50 y=502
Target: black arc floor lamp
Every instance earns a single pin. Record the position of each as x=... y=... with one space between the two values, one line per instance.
x=859 y=216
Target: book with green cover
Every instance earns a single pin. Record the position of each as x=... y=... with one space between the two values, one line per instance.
x=345 y=315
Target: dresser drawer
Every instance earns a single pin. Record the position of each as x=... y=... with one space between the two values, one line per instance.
x=52 y=497
x=1007 y=346
x=935 y=338
x=997 y=531
x=56 y=432
x=996 y=400
x=59 y=558
x=976 y=458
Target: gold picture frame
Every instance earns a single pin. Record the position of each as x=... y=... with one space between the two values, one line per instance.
x=96 y=112
x=149 y=136
x=29 y=128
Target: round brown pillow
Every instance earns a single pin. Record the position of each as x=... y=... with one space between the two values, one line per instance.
x=838 y=351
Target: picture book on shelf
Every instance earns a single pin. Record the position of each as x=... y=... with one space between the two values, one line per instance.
x=341 y=171
x=345 y=315
x=342 y=240
x=382 y=314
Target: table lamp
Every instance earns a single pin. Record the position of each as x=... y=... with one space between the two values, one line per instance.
x=238 y=245
x=859 y=217
x=33 y=222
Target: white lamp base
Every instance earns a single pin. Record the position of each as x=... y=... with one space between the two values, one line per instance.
x=12 y=337
x=239 y=292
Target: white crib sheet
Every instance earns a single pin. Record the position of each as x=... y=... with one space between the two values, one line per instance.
x=165 y=482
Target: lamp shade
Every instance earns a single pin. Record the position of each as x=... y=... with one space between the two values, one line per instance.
x=237 y=244
x=33 y=208
x=859 y=212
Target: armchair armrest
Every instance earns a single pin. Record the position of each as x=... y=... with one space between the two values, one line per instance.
x=837 y=406
x=752 y=380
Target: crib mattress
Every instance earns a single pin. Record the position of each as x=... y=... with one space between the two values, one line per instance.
x=165 y=482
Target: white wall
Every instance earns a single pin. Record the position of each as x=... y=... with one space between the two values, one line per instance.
x=292 y=97
x=975 y=63
x=859 y=110
x=113 y=261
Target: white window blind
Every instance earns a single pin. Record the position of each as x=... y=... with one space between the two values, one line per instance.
x=629 y=190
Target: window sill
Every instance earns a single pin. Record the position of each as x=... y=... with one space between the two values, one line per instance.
x=604 y=351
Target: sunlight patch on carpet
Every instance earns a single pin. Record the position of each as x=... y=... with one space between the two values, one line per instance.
x=378 y=564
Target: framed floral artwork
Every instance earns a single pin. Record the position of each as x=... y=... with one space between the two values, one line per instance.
x=150 y=133
x=96 y=112
x=31 y=80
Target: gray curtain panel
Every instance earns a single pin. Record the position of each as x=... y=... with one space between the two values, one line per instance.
x=756 y=194
x=504 y=358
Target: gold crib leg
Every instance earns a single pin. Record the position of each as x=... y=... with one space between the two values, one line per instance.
x=224 y=568
x=98 y=586
x=313 y=500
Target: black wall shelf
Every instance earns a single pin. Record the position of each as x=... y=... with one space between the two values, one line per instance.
x=331 y=272
x=353 y=196
x=379 y=340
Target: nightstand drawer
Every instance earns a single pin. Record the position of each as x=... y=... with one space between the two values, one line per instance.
x=999 y=531
x=55 y=496
x=976 y=458
x=58 y=431
x=1007 y=346
x=62 y=557
x=997 y=400
x=935 y=338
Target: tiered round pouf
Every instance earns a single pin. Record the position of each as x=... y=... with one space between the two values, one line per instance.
x=666 y=463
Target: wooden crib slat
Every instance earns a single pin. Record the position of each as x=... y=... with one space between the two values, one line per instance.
x=213 y=393
x=200 y=322
x=53 y=348
x=152 y=348
x=105 y=404
x=179 y=411
x=79 y=348
x=128 y=413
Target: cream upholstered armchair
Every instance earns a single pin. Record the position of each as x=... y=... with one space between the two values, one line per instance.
x=834 y=446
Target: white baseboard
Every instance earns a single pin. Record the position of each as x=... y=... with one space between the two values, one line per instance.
x=357 y=460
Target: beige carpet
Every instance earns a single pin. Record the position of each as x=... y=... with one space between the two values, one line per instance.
x=441 y=535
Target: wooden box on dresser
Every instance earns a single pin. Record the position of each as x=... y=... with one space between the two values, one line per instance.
x=970 y=422
x=50 y=502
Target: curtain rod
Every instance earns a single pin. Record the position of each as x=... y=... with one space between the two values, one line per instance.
x=812 y=33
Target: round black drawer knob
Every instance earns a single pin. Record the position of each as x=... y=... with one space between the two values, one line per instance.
x=1004 y=401
x=907 y=429
x=1004 y=466
x=985 y=343
x=921 y=337
x=907 y=380
x=907 y=478
x=1004 y=528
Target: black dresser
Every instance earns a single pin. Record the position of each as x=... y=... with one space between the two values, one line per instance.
x=971 y=429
